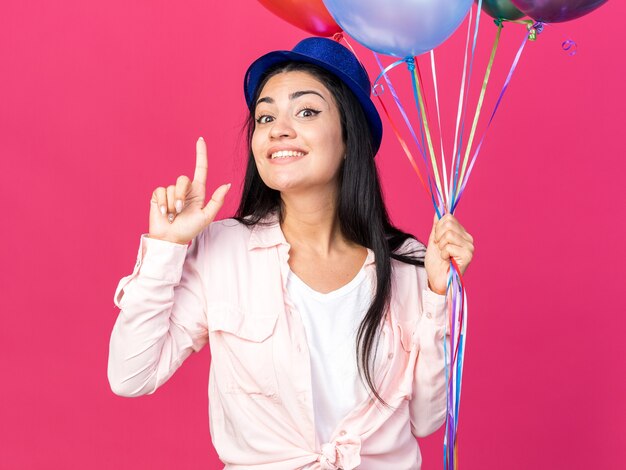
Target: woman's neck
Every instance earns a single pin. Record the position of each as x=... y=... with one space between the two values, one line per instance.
x=310 y=222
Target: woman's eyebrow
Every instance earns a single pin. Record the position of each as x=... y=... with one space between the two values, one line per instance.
x=298 y=94
x=265 y=99
x=292 y=96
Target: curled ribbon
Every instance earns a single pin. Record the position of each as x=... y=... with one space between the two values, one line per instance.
x=570 y=47
x=344 y=453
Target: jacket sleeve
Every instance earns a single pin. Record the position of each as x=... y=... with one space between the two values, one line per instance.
x=162 y=317
x=428 y=400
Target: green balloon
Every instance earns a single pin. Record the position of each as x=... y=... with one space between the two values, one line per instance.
x=502 y=9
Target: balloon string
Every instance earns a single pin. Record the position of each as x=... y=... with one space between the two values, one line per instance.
x=338 y=37
x=452 y=407
x=455 y=384
x=480 y=104
x=536 y=27
x=458 y=306
x=461 y=96
x=419 y=113
x=460 y=280
x=386 y=70
x=421 y=82
x=446 y=369
x=456 y=290
x=461 y=356
x=448 y=435
x=459 y=365
x=469 y=79
x=443 y=160
x=420 y=102
x=404 y=116
x=422 y=114
x=384 y=73
x=403 y=144
x=426 y=113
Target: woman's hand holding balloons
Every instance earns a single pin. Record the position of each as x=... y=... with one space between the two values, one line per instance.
x=178 y=213
x=447 y=239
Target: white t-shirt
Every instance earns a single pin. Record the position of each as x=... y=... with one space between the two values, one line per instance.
x=331 y=321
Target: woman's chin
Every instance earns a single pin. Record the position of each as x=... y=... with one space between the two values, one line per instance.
x=284 y=183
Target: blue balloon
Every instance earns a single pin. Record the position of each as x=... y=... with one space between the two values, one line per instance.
x=400 y=28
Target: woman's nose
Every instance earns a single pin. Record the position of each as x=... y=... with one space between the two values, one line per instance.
x=282 y=127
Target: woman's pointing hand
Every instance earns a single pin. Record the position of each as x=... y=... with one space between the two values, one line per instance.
x=178 y=213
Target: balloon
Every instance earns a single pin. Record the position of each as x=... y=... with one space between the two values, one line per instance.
x=399 y=27
x=310 y=15
x=556 y=11
x=502 y=9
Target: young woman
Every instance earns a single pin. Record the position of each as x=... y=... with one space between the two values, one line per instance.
x=325 y=322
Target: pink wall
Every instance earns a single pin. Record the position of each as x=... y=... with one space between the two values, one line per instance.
x=100 y=102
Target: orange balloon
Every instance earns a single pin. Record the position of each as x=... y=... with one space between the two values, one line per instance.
x=310 y=15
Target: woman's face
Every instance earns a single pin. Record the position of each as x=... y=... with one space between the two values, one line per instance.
x=297 y=141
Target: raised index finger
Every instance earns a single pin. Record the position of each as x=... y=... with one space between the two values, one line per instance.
x=201 y=162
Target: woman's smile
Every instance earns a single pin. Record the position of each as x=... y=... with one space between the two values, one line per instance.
x=282 y=155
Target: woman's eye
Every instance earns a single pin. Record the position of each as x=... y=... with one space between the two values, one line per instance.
x=308 y=112
x=264 y=119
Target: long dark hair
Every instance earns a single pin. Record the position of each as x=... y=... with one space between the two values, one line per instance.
x=361 y=210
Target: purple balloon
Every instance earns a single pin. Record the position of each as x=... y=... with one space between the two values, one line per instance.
x=556 y=11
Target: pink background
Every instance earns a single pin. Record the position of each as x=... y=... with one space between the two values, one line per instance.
x=100 y=102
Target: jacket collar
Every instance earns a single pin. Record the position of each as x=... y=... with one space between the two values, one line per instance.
x=267 y=233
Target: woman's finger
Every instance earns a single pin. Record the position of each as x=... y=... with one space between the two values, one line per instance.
x=159 y=196
x=446 y=222
x=460 y=254
x=216 y=202
x=171 y=197
x=200 y=173
x=431 y=237
x=449 y=222
x=453 y=238
x=182 y=187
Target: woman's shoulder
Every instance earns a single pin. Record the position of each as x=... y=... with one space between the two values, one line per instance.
x=230 y=246
x=231 y=232
x=230 y=224
x=227 y=230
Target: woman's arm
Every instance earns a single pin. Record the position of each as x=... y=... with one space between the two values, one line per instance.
x=428 y=401
x=162 y=318
x=448 y=241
